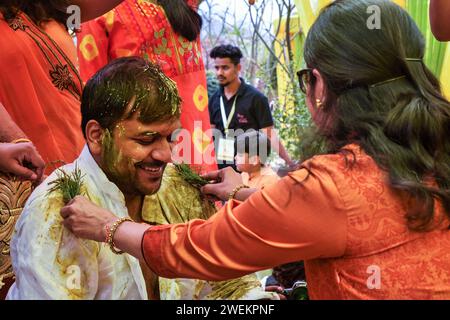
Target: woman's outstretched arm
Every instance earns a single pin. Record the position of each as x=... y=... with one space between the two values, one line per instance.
x=289 y=221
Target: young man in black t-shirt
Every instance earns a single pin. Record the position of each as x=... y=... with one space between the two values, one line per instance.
x=237 y=107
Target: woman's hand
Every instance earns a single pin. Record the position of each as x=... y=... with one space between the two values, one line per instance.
x=223 y=183
x=87 y=220
x=21 y=160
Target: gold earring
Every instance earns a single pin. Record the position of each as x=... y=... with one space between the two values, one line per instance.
x=319 y=104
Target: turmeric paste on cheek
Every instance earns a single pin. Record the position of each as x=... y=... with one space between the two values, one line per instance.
x=118 y=167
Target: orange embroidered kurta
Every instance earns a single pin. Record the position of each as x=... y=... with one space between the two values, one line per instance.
x=344 y=221
x=140 y=28
x=40 y=86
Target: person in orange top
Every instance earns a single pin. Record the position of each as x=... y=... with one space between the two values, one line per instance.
x=370 y=218
x=40 y=87
x=253 y=149
x=165 y=32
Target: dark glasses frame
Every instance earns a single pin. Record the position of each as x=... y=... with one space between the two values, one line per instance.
x=305 y=77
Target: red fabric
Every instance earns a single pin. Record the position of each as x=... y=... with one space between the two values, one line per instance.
x=40 y=86
x=140 y=28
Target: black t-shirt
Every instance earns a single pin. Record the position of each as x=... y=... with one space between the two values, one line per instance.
x=252 y=109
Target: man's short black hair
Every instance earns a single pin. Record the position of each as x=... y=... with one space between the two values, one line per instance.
x=107 y=95
x=255 y=143
x=227 y=51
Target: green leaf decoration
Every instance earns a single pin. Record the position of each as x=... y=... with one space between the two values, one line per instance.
x=69 y=184
x=190 y=176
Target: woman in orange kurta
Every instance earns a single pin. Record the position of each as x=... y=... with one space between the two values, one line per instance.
x=143 y=28
x=40 y=87
x=371 y=218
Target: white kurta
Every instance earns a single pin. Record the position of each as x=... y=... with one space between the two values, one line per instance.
x=51 y=263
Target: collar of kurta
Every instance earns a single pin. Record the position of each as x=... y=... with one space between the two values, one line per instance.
x=89 y=166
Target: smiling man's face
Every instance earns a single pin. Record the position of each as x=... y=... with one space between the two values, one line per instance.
x=134 y=154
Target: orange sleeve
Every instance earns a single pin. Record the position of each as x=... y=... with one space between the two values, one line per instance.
x=296 y=219
x=93 y=46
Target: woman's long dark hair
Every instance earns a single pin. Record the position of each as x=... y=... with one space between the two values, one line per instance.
x=38 y=10
x=184 y=20
x=383 y=97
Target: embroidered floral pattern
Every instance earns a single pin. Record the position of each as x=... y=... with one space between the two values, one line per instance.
x=174 y=54
x=61 y=77
x=17 y=24
x=378 y=239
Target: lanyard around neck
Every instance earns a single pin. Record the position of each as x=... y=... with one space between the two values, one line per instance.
x=226 y=122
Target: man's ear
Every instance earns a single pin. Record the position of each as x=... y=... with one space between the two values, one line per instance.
x=320 y=88
x=239 y=67
x=94 y=136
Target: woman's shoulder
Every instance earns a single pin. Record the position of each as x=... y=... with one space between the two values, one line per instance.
x=349 y=157
x=350 y=161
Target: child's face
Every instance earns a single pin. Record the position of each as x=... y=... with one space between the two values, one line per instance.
x=245 y=163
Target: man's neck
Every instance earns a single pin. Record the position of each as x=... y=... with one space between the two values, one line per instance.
x=134 y=205
x=231 y=89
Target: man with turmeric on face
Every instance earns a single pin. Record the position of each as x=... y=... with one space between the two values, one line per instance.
x=129 y=111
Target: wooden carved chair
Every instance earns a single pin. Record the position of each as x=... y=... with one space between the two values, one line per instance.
x=13 y=195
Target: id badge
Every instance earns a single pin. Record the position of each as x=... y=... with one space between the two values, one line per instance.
x=225 y=150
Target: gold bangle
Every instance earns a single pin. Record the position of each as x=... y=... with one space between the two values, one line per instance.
x=111 y=231
x=21 y=140
x=236 y=190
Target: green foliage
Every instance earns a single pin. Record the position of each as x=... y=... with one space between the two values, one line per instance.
x=289 y=121
x=435 y=52
x=69 y=184
x=190 y=176
x=293 y=120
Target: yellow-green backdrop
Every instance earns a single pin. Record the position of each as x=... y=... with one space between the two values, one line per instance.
x=438 y=54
